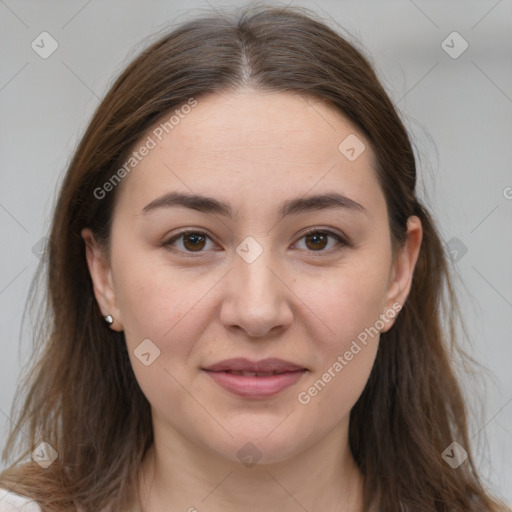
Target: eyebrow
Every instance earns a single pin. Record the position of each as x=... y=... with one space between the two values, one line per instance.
x=294 y=206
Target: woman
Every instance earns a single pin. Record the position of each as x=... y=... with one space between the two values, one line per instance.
x=244 y=293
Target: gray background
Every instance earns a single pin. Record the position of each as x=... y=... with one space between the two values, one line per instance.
x=457 y=109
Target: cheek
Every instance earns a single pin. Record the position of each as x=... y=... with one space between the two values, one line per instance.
x=162 y=306
x=350 y=304
x=346 y=355
x=348 y=299
x=151 y=295
x=168 y=313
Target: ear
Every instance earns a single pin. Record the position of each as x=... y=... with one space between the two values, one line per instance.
x=101 y=276
x=403 y=269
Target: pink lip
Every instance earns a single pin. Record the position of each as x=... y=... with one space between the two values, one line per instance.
x=272 y=364
x=255 y=386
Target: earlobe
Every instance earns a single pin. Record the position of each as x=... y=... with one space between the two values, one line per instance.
x=101 y=277
x=403 y=267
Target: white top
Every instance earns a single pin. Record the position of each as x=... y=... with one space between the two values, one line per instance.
x=10 y=502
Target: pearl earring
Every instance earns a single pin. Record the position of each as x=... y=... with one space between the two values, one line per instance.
x=109 y=320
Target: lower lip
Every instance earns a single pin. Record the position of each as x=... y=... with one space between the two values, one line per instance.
x=253 y=386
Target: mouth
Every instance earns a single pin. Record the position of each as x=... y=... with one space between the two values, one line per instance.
x=254 y=374
x=256 y=380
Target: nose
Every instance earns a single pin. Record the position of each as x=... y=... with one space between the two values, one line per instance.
x=257 y=299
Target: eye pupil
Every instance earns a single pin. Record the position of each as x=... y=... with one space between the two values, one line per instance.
x=195 y=237
x=316 y=237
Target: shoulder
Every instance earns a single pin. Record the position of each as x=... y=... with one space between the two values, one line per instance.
x=10 y=502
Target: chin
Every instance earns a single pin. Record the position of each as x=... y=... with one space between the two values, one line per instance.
x=259 y=445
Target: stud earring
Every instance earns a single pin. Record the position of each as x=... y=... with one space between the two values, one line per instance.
x=109 y=320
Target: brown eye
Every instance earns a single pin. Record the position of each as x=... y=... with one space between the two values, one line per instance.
x=191 y=241
x=194 y=241
x=317 y=240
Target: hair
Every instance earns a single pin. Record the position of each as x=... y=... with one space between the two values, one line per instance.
x=81 y=395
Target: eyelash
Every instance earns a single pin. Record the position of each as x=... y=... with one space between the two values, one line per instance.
x=342 y=242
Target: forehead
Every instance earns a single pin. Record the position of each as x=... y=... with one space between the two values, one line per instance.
x=256 y=145
x=259 y=121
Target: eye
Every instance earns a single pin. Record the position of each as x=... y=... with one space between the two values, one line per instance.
x=195 y=241
x=191 y=241
x=317 y=239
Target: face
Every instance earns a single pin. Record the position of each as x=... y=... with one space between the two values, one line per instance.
x=203 y=283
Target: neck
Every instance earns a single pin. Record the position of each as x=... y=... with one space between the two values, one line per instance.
x=183 y=476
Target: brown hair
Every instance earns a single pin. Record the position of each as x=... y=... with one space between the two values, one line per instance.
x=82 y=396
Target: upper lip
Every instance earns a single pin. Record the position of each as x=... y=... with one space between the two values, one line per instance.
x=272 y=364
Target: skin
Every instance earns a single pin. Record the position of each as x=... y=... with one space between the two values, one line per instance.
x=302 y=300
